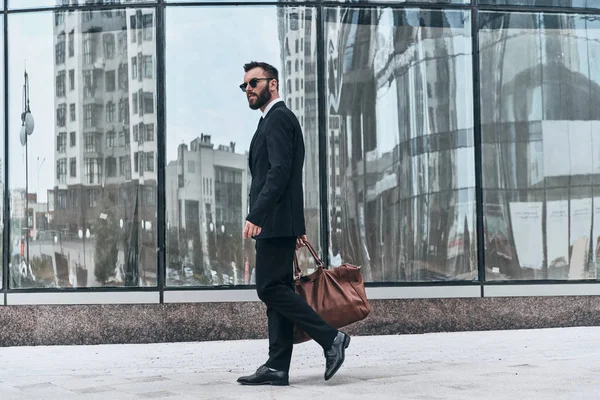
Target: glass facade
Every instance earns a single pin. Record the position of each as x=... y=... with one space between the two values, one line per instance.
x=540 y=132
x=446 y=143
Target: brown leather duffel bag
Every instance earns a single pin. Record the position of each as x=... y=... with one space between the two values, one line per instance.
x=336 y=294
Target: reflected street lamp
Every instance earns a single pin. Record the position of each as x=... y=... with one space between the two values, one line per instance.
x=39 y=167
x=58 y=238
x=27 y=125
x=222 y=237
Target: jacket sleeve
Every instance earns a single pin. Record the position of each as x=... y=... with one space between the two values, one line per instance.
x=279 y=132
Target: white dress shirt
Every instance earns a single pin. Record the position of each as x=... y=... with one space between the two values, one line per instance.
x=270 y=105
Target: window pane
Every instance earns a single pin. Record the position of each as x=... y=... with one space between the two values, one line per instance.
x=545 y=3
x=400 y=143
x=65 y=3
x=2 y=171
x=541 y=164
x=89 y=223
x=207 y=176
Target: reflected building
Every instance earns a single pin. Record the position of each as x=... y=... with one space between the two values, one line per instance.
x=18 y=206
x=105 y=132
x=400 y=143
x=540 y=170
x=207 y=202
x=298 y=88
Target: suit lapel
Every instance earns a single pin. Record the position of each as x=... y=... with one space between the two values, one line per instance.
x=252 y=142
x=260 y=122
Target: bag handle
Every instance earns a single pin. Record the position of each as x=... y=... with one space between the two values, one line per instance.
x=314 y=253
x=297 y=270
x=310 y=248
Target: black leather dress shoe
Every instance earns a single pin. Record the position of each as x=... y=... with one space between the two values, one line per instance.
x=264 y=376
x=335 y=355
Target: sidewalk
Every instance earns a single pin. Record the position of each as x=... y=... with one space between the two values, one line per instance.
x=529 y=364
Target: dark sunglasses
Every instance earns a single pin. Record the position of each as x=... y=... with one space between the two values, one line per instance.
x=253 y=82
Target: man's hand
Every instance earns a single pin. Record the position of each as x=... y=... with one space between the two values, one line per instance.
x=251 y=230
x=300 y=242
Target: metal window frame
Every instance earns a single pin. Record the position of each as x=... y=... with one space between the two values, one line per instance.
x=243 y=292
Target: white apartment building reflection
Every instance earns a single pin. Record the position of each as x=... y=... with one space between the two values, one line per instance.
x=298 y=88
x=105 y=135
x=207 y=202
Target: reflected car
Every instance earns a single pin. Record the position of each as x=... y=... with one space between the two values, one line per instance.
x=172 y=274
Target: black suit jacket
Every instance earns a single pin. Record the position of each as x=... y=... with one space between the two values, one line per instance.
x=276 y=160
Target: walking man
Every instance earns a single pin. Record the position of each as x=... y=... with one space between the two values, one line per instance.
x=276 y=222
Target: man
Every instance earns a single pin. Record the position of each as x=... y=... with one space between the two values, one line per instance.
x=276 y=222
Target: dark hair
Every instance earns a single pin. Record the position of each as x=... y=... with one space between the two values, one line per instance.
x=270 y=70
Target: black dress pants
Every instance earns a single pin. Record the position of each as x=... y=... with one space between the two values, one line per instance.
x=275 y=287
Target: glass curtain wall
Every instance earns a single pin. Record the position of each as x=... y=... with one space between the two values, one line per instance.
x=385 y=97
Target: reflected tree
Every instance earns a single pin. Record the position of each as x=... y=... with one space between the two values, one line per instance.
x=173 y=248
x=106 y=252
x=198 y=256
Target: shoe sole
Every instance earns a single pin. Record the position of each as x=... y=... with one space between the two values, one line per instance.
x=346 y=344
x=265 y=383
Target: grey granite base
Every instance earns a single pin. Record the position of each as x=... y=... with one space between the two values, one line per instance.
x=98 y=324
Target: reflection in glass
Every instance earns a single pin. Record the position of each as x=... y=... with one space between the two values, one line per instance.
x=541 y=168
x=23 y=4
x=83 y=193
x=210 y=128
x=2 y=168
x=545 y=3
x=400 y=143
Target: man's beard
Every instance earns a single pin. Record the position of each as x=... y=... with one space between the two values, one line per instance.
x=262 y=98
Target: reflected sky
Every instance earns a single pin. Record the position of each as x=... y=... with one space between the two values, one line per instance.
x=206 y=53
x=31 y=45
x=214 y=104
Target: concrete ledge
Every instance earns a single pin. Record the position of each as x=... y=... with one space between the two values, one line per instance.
x=423 y=292
x=586 y=289
x=148 y=323
x=210 y=296
x=83 y=298
x=373 y=293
